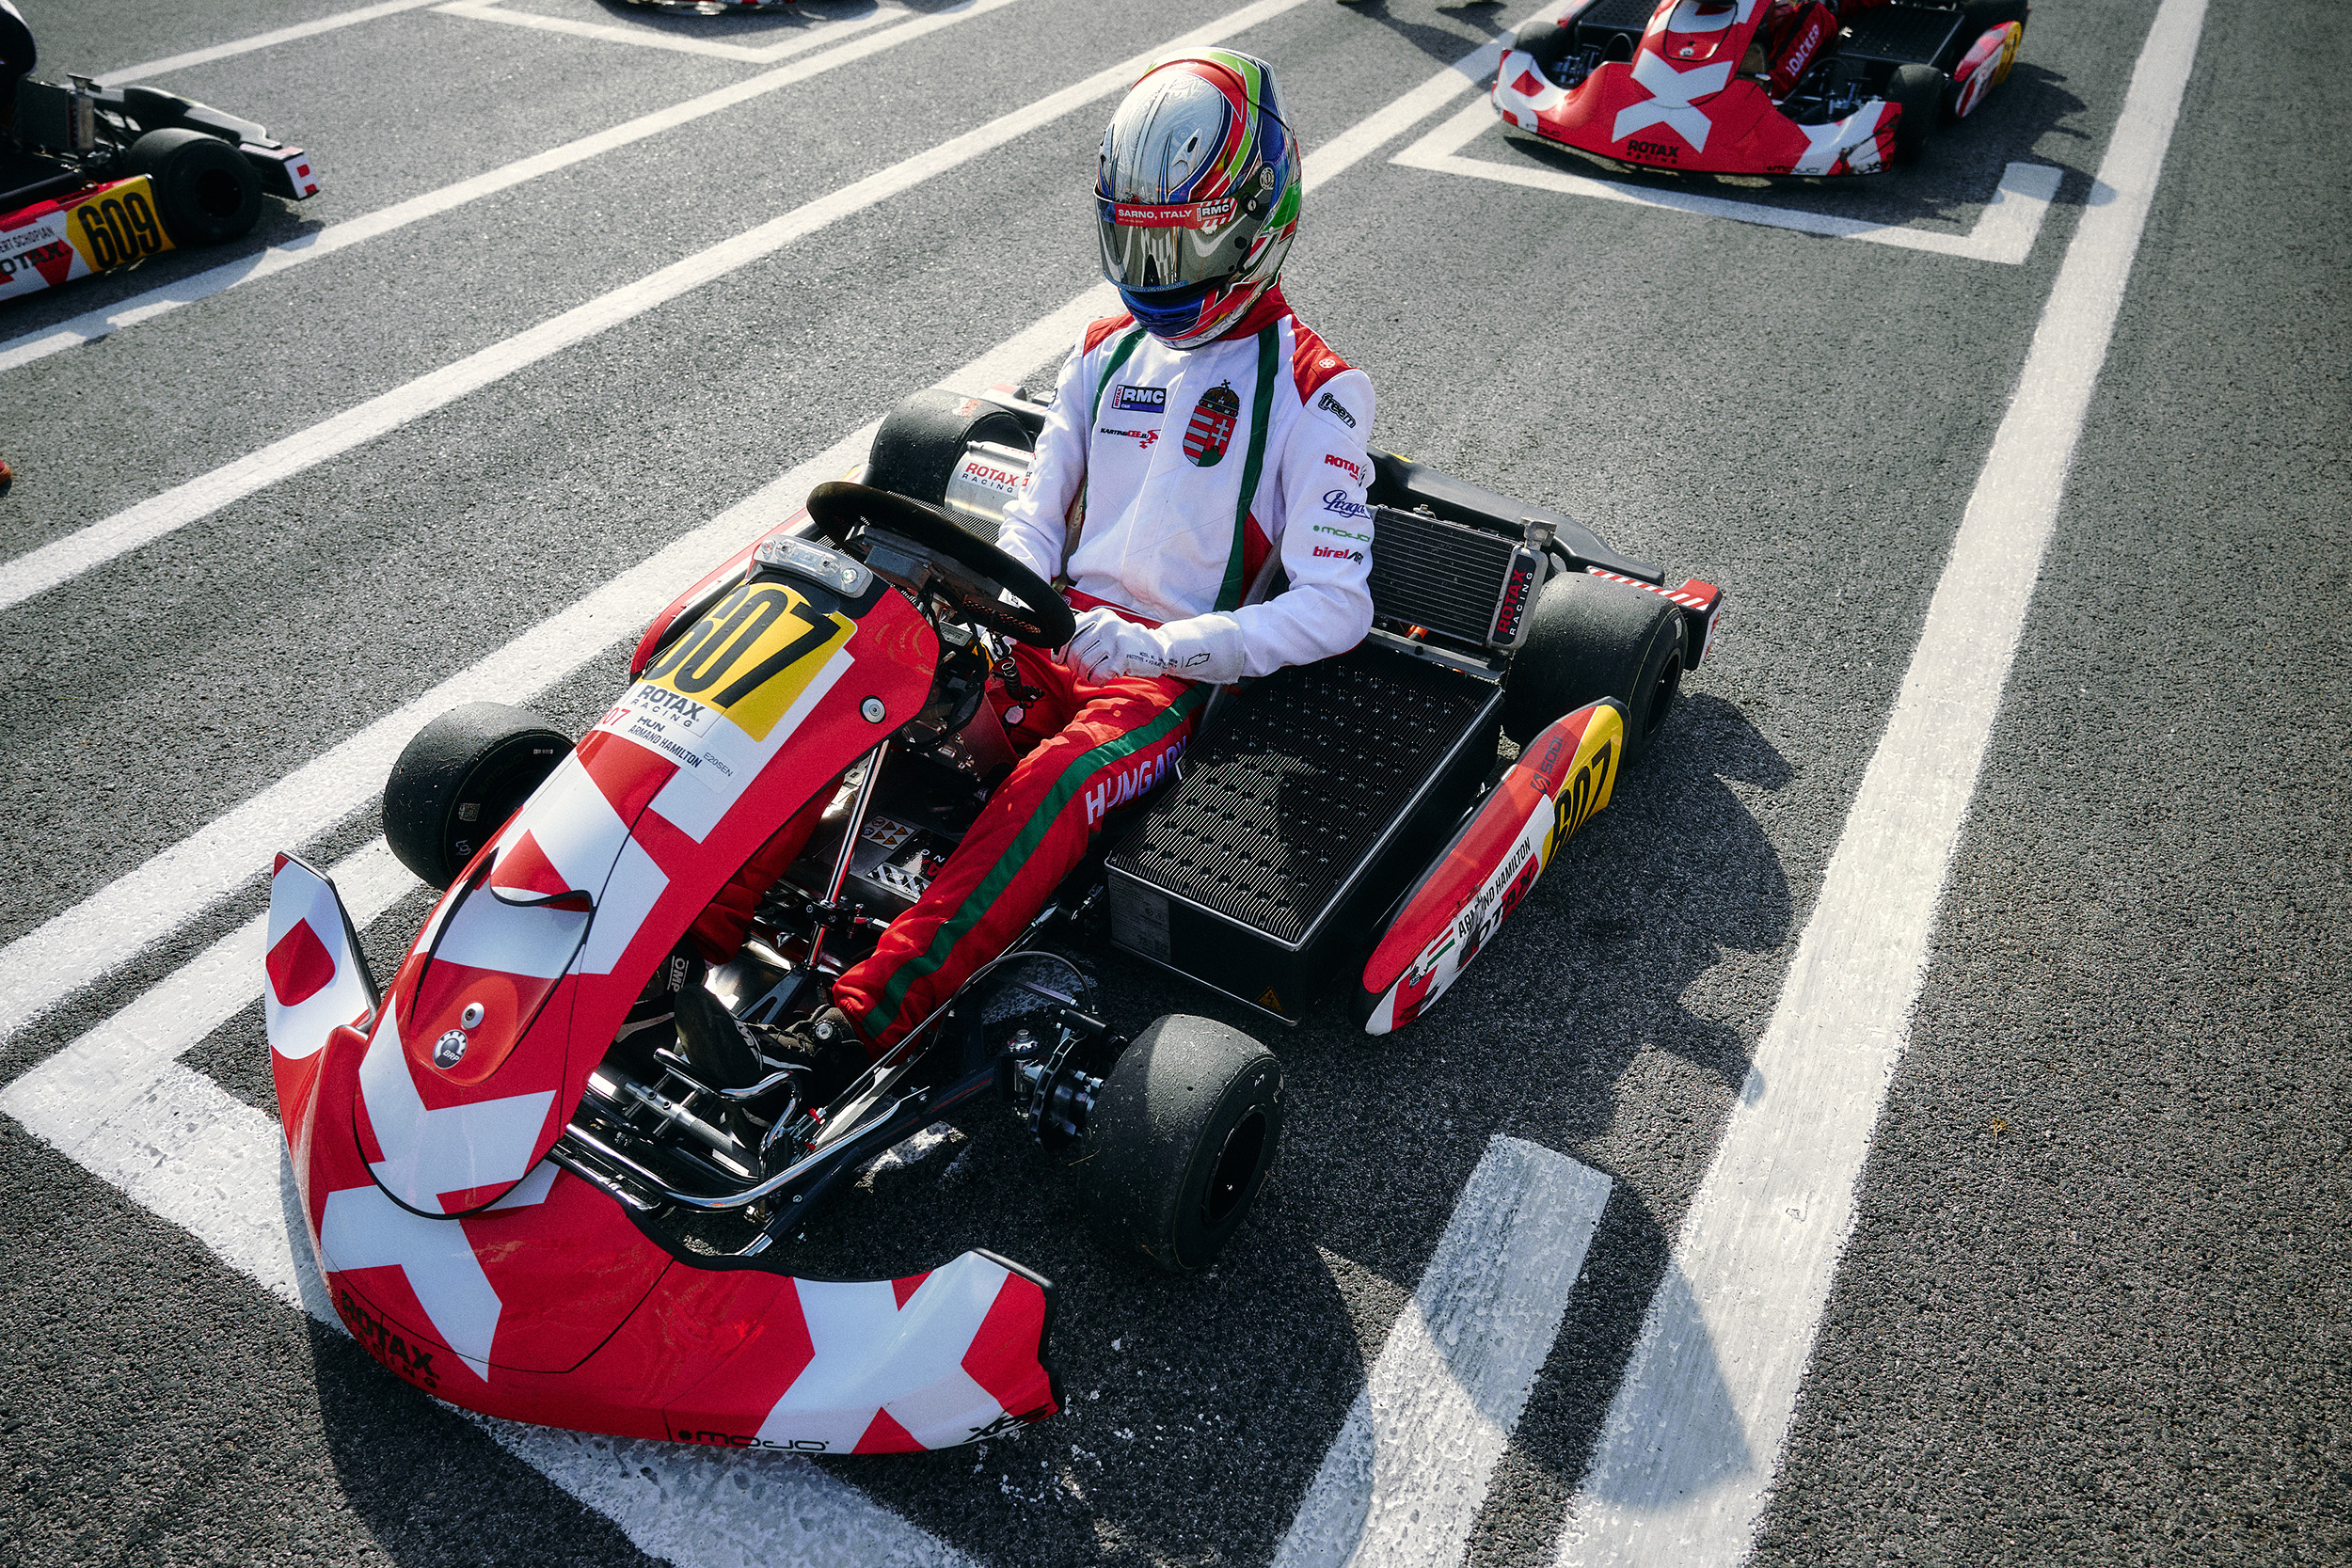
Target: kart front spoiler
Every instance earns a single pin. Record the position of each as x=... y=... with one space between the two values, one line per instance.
x=553 y=1306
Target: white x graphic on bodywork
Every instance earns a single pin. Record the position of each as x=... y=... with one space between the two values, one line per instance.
x=364 y=1229
x=1671 y=104
x=486 y=1144
x=1846 y=137
x=871 y=1354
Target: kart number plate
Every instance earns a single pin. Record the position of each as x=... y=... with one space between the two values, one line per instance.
x=752 y=655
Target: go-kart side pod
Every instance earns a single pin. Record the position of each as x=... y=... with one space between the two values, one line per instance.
x=1563 y=776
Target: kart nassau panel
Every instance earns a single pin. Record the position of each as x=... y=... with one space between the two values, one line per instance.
x=1677 y=106
x=1985 y=67
x=1560 y=778
x=318 y=981
x=99 y=227
x=691 y=604
x=552 y=930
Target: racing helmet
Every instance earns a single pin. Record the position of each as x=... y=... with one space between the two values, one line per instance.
x=1197 y=194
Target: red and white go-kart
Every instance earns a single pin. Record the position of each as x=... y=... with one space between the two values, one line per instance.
x=1755 y=87
x=530 y=1197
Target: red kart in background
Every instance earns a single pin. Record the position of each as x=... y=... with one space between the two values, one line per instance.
x=535 y=1189
x=102 y=177
x=1755 y=87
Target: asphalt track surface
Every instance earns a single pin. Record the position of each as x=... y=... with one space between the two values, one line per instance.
x=2094 y=1304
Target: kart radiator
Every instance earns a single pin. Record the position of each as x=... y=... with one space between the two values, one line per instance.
x=1465 y=583
x=1315 y=797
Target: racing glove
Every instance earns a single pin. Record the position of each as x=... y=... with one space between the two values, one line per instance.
x=1203 y=648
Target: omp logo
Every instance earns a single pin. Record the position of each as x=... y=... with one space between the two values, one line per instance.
x=1352 y=470
x=1331 y=404
x=1132 y=781
x=380 y=1340
x=1141 y=400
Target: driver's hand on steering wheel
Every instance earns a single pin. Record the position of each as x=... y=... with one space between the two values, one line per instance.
x=1103 y=643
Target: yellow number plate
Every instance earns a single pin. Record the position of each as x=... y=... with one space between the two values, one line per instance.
x=114 y=224
x=751 y=655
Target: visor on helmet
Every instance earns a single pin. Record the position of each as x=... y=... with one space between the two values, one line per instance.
x=1179 y=246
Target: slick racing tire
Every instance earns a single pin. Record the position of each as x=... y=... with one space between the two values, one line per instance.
x=205 y=192
x=921 y=441
x=1590 y=639
x=1180 y=1141
x=1549 y=42
x=1918 y=91
x=460 y=778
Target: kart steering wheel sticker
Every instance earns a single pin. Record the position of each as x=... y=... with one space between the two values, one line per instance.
x=752 y=655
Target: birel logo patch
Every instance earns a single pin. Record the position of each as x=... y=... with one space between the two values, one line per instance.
x=1139 y=400
x=1352 y=470
x=1339 y=505
x=1331 y=404
x=1327 y=551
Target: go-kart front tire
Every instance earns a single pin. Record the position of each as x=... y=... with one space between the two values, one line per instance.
x=1590 y=639
x=1918 y=91
x=205 y=192
x=458 y=781
x=1180 y=1142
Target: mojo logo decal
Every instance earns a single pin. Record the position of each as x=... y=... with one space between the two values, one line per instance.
x=1212 y=428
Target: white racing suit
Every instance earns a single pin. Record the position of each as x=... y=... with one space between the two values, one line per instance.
x=1166 y=483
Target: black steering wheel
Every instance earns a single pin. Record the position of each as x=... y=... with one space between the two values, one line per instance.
x=987 y=587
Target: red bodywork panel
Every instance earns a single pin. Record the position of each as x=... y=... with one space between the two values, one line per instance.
x=476 y=1270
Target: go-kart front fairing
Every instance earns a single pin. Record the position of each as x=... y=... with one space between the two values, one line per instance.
x=476 y=1259
x=1680 y=103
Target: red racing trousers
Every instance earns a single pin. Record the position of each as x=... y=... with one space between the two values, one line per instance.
x=1089 y=746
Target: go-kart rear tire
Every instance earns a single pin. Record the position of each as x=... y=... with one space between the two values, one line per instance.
x=1918 y=91
x=1590 y=639
x=1180 y=1141
x=922 y=439
x=1549 y=42
x=459 y=780
x=205 y=192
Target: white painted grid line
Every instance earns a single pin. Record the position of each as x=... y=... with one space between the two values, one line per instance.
x=82 y=944
x=1695 y=1433
x=2004 y=232
x=258 y=41
x=821 y=31
x=193 y=1154
x=1401 y=1485
x=91 y=325
x=97 y=543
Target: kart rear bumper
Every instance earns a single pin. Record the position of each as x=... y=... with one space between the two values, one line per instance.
x=1614 y=115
